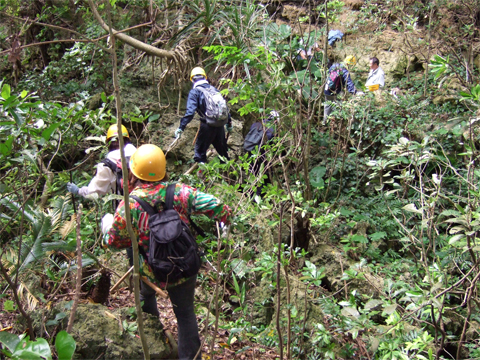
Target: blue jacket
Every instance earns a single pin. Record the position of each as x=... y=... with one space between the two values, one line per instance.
x=346 y=79
x=196 y=102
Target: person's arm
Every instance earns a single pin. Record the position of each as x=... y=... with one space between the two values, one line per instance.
x=101 y=182
x=192 y=105
x=348 y=80
x=381 y=78
x=190 y=200
x=116 y=236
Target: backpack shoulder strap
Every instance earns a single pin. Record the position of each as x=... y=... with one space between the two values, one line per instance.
x=169 y=196
x=146 y=206
x=110 y=164
x=169 y=205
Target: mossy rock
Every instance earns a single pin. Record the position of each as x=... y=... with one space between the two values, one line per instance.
x=99 y=334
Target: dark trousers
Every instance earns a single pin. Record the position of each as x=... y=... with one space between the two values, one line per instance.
x=181 y=297
x=209 y=135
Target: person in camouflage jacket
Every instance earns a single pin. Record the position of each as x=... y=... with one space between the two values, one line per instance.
x=148 y=174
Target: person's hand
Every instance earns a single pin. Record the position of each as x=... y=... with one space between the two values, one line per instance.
x=229 y=127
x=178 y=133
x=71 y=187
x=360 y=93
x=107 y=222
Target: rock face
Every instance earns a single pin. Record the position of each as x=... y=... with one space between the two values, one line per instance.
x=388 y=47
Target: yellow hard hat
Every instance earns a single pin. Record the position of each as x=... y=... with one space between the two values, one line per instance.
x=197 y=71
x=350 y=60
x=113 y=132
x=148 y=163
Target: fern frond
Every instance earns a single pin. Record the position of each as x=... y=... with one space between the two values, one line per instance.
x=9 y=259
x=68 y=226
x=31 y=300
x=13 y=206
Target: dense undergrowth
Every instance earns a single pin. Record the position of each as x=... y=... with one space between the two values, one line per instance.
x=388 y=185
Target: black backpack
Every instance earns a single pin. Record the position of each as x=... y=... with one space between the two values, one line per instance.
x=173 y=252
x=116 y=168
x=254 y=137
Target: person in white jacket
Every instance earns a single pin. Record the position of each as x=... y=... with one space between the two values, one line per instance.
x=105 y=179
x=376 y=76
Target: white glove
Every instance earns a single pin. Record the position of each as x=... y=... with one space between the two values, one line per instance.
x=71 y=187
x=107 y=222
x=224 y=229
x=178 y=133
x=360 y=93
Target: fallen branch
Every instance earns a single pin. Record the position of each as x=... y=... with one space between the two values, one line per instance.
x=121 y=279
x=159 y=291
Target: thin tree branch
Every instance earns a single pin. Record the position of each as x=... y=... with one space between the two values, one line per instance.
x=137 y=44
x=78 y=287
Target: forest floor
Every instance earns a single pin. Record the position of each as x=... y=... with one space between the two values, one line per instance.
x=124 y=298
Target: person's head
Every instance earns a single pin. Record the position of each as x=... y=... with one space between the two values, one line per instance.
x=350 y=61
x=198 y=73
x=374 y=63
x=147 y=164
x=112 y=137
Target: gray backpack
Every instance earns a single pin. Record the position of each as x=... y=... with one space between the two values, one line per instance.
x=216 y=114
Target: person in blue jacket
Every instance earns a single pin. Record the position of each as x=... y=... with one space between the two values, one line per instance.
x=331 y=95
x=207 y=135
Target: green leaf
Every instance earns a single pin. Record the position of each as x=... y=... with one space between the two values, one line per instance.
x=9 y=340
x=389 y=309
x=316 y=176
x=48 y=131
x=5 y=91
x=6 y=147
x=104 y=97
x=153 y=117
x=65 y=345
x=378 y=235
x=239 y=267
x=34 y=350
x=359 y=239
x=372 y=303
x=412 y=208
x=350 y=311
x=9 y=305
x=455 y=238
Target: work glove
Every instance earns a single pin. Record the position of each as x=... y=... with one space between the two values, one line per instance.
x=229 y=127
x=107 y=222
x=71 y=187
x=360 y=93
x=178 y=133
x=224 y=229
